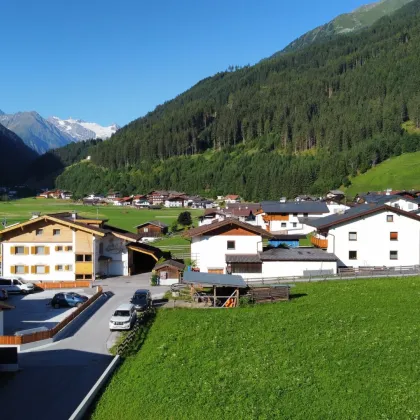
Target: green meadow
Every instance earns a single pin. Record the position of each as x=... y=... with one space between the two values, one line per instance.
x=337 y=350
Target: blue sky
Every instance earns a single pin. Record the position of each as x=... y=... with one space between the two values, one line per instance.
x=113 y=61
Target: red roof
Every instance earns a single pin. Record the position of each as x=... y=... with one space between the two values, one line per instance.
x=232 y=197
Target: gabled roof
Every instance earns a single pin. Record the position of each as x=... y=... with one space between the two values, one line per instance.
x=218 y=280
x=154 y=223
x=324 y=223
x=170 y=263
x=313 y=207
x=232 y=197
x=229 y=222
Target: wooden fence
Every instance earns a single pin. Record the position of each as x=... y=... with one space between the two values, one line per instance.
x=45 y=335
x=79 y=284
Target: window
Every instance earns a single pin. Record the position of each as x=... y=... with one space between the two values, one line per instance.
x=19 y=250
x=39 y=232
x=83 y=257
x=101 y=248
x=56 y=232
x=352 y=255
x=88 y=258
x=69 y=267
x=59 y=248
x=393 y=236
x=410 y=206
x=59 y=268
x=88 y=276
x=40 y=250
x=146 y=230
x=69 y=248
x=294 y=225
x=390 y=218
x=40 y=269
x=230 y=244
x=352 y=236
x=393 y=255
x=79 y=276
x=79 y=257
x=283 y=224
x=20 y=269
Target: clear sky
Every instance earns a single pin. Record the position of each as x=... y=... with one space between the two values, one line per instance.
x=114 y=60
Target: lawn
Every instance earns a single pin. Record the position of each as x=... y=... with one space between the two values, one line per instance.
x=338 y=350
x=402 y=172
x=122 y=217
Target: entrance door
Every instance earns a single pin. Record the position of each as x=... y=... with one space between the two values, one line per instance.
x=215 y=270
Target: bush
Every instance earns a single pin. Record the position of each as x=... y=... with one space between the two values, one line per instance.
x=185 y=219
x=154 y=280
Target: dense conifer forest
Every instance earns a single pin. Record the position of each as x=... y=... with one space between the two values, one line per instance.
x=298 y=123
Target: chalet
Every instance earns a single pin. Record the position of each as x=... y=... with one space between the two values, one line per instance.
x=234 y=247
x=202 y=204
x=394 y=200
x=336 y=195
x=153 y=229
x=370 y=235
x=176 y=201
x=65 y=247
x=157 y=197
x=112 y=195
x=291 y=216
x=140 y=201
x=232 y=198
x=211 y=216
x=169 y=272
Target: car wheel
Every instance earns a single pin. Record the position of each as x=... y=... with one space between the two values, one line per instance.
x=56 y=306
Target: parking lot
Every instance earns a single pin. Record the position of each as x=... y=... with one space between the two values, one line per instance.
x=34 y=311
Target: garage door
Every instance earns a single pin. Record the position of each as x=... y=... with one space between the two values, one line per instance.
x=215 y=270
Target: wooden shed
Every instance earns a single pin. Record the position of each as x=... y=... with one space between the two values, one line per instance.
x=152 y=229
x=169 y=272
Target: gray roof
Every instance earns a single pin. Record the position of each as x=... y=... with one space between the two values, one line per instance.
x=170 y=263
x=382 y=199
x=297 y=254
x=155 y=223
x=336 y=192
x=243 y=258
x=220 y=280
x=318 y=207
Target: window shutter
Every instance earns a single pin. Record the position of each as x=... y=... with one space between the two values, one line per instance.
x=26 y=250
x=56 y=268
x=33 y=252
x=67 y=268
x=394 y=236
x=13 y=250
x=47 y=269
x=47 y=250
x=33 y=269
x=13 y=269
x=26 y=269
x=56 y=248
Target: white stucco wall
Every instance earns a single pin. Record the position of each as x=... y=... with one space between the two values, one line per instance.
x=116 y=249
x=51 y=260
x=209 y=252
x=295 y=268
x=404 y=205
x=373 y=243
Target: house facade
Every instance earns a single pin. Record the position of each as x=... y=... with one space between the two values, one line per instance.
x=234 y=247
x=176 y=201
x=371 y=235
x=169 y=272
x=65 y=247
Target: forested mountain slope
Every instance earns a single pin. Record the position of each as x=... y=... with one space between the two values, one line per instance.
x=360 y=18
x=14 y=157
x=299 y=122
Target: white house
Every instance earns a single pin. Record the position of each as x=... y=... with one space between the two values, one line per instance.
x=370 y=235
x=232 y=198
x=394 y=200
x=234 y=247
x=176 y=201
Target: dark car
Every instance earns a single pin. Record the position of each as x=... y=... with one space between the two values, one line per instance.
x=142 y=299
x=71 y=300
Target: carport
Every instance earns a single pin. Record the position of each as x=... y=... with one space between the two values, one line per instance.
x=225 y=286
x=142 y=257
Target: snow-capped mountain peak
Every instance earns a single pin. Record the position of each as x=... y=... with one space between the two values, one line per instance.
x=82 y=130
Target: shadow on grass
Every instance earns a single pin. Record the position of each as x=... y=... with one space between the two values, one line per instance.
x=157 y=303
x=297 y=295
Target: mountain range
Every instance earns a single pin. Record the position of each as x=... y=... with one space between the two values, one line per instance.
x=42 y=134
x=346 y=23
x=301 y=122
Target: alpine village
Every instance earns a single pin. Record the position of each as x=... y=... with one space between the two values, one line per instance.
x=255 y=240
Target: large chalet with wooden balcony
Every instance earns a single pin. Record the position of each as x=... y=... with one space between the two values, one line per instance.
x=67 y=247
x=370 y=235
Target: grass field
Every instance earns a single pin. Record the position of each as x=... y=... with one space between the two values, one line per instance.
x=402 y=172
x=338 y=350
x=122 y=217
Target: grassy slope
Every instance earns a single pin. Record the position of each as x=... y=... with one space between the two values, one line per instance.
x=402 y=172
x=345 y=350
x=126 y=218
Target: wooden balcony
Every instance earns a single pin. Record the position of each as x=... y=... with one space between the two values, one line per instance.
x=319 y=242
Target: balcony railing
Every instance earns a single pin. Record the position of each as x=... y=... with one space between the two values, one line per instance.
x=319 y=242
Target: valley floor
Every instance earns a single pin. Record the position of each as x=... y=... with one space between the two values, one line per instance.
x=336 y=350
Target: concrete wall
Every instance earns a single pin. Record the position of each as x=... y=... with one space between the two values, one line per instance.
x=210 y=251
x=373 y=244
x=116 y=249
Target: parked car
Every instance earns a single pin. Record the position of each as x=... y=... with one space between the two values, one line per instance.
x=3 y=294
x=64 y=300
x=123 y=318
x=16 y=285
x=142 y=299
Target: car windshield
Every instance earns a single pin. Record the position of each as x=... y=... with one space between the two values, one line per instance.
x=122 y=313
x=75 y=295
x=139 y=298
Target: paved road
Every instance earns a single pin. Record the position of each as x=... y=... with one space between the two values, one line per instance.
x=54 y=379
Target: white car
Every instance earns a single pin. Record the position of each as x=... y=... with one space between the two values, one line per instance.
x=123 y=318
x=16 y=285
